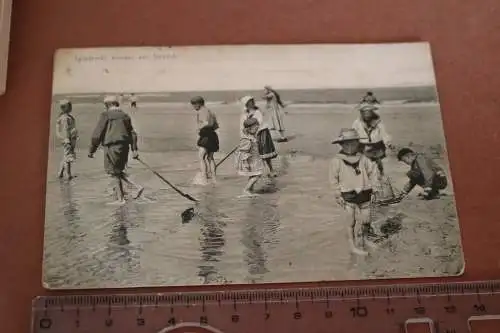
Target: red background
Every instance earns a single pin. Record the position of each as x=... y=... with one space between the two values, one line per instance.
x=465 y=40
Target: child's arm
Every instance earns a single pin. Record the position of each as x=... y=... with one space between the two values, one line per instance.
x=334 y=179
x=63 y=129
x=132 y=133
x=203 y=119
x=59 y=129
x=425 y=166
x=98 y=133
x=385 y=136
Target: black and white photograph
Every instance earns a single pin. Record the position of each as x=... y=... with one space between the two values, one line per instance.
x=202 y=165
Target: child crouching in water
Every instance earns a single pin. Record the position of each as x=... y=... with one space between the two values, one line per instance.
x=424 y=173
x=354 y=176
x=249 y=162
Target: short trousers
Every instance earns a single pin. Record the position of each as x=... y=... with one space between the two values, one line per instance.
x=116 y=158
x=357 y=198
x=209 y=140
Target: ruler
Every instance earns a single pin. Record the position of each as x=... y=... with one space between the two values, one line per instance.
x=416 y=308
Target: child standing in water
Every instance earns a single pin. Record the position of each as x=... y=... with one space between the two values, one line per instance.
x=67 y=133
x=208 y=140
x=353 y=176
x=249 y=162
x=267 y=150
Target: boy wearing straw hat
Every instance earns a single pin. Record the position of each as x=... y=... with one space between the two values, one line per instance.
x=115 y=133
x=67 y=133
x=354 y=177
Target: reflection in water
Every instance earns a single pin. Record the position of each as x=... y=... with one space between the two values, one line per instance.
x=119 y=249
x=212 y=239
x=69 y=206
x=261 y=223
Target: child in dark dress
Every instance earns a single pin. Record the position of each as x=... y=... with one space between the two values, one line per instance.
x=424 y=173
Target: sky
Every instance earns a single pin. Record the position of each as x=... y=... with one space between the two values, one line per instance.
x=248 y=67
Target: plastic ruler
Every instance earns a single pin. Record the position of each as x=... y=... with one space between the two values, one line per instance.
x=417 y=308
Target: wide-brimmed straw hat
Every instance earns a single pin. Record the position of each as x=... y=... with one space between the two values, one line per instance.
x=347 y=134
x=245 y=99
x=367 y=107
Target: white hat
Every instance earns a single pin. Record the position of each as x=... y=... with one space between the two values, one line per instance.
x=64 y=102
x=245 y=99
x=347 y=134
x=110 y=99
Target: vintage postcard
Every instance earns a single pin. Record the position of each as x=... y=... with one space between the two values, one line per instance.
x=247 y=164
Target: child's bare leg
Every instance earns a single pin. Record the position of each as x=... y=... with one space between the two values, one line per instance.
x=269 y=165
x=212 y=166
x=139 y=188
x=120 y=193
x=202 y=155
x=355 y=240
x=248 y=190
x=68 y=170
x=62 y=167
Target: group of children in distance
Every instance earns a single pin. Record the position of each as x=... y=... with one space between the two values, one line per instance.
x=356 y=172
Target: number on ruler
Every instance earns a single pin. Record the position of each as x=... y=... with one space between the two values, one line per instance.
x=328 y=314
x=108 y=322
x=359 y=311
x=141 y=322
x=235 y=318
x=389 y=311
x=480 y=308
x=297 y=315
x=45 y=323
x=203 y=320
x=172 y=321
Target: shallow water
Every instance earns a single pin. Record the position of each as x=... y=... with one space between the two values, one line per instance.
x=292 y=232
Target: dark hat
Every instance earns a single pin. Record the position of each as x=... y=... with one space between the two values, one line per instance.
x=197 y=100
x=250 y=122
x=403 y=152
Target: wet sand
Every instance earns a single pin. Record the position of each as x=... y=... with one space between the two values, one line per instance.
x=292 y=232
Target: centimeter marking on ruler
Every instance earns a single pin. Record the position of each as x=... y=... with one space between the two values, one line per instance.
x=453 y=305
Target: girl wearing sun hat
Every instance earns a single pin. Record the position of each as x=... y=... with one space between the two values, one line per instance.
x=248 y=161
x=376 y=139
x=267 y=150
x=353 y=177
